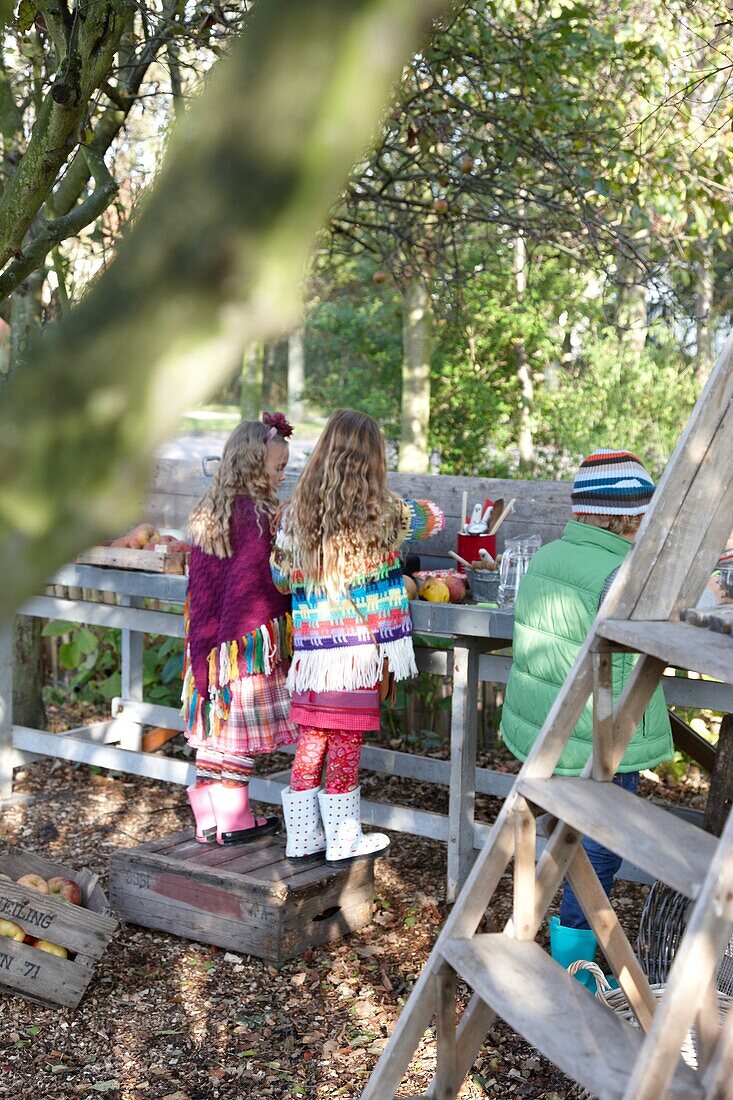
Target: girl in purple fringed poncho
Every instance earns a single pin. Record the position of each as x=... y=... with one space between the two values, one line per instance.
x=238 y=633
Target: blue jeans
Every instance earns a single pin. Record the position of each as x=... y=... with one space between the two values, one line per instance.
x=605 y=865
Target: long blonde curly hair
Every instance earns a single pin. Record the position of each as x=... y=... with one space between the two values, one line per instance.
x=241 y=472
x=342 y=514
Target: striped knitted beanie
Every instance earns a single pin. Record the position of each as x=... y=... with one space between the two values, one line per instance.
x=612 y=483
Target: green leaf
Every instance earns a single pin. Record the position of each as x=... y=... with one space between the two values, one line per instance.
x=26 y=16
x=69 y=655
x=106 y=1086
x=111 y=686
x=57 y=628
x=86 y=640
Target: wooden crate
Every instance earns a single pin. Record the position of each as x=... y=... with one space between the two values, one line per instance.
x=247 y=898
x=146 y=561
x=84 y=930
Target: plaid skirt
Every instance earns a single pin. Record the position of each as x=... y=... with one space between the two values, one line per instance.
x=258 y=719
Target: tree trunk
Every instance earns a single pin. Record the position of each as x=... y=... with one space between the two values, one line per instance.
x=525 y=439
x=253 y=364
x=417 y=340
x=633 y=293
x=704 y=289
x=296 y=375
x=28 y=707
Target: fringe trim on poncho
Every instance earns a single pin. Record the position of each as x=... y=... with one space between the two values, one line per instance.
x=259 y=651
x=348 y=668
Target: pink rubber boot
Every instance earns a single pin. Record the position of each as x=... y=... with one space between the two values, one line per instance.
x=203 y=811
x=235 y=822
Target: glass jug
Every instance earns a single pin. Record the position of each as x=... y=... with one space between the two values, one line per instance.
x=518 y=553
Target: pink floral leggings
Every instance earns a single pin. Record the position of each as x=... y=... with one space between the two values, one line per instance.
x=342 y=765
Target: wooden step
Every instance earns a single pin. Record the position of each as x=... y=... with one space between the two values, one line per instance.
x=679 y=644
x=664 y=845
x=556 y=1014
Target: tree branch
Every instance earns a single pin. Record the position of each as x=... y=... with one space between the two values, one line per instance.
x=52 y=233
x=215 y=261
x=110 y=124
x=55 y=129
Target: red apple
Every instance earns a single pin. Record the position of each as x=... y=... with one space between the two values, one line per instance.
x=379 y=277
x=457 y=588
x=66 y=888
x=51 y=948
x=440 y=206
x=179 y=547
x=11 y=929
x=35 y=882
x=143 y=534
x=465 y=165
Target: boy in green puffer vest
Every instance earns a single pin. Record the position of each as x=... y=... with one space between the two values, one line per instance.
x=556 y=605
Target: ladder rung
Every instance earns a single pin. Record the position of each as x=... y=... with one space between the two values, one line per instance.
x=664 y=845
x=678 y=644
x=556 y=1014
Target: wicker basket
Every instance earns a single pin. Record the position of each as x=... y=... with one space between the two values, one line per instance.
x=662 y=926
x=616 y=1000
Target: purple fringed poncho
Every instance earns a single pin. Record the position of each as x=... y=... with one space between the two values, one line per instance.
x=237 y=623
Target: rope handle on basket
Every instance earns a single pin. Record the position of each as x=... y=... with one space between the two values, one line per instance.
x=603 y=986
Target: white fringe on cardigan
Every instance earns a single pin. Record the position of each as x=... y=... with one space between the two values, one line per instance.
x=348 y=668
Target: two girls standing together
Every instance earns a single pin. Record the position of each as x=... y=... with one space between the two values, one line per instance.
x=325 y=589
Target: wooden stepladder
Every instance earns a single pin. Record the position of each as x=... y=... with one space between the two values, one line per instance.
x=511 y=976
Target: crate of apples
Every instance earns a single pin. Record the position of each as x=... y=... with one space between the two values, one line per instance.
x=143 y=548
x=54 y=924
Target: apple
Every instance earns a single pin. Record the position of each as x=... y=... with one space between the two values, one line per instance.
x=410 y=588
x=457 y=588
x=11 y=929
x=35 y=882
x=66 y=888
x=178 y=546
x=435 y=591
x=440 y=206
x=51 y=948
x=6 y=878
x=379 y=277
x=126 y=542
x=138 y=536
x=465 y=165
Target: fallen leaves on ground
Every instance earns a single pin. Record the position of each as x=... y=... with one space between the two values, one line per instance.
x=168 y=1019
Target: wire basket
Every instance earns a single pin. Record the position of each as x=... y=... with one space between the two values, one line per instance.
x=662 y=926
x=616 y=1000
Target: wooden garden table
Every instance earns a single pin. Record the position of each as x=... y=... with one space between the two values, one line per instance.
x=475 y=635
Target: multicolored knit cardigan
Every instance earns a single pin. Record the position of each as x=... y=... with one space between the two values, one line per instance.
x=341 y=644
x=237 y=622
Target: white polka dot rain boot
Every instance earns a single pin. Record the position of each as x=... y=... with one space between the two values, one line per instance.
x=303 y=823
x=342 y=822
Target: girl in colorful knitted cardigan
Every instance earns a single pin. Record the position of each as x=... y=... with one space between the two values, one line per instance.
x=337 y=552
x=238 y=633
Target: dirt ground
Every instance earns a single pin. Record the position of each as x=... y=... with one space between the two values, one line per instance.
x=167 y=1019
